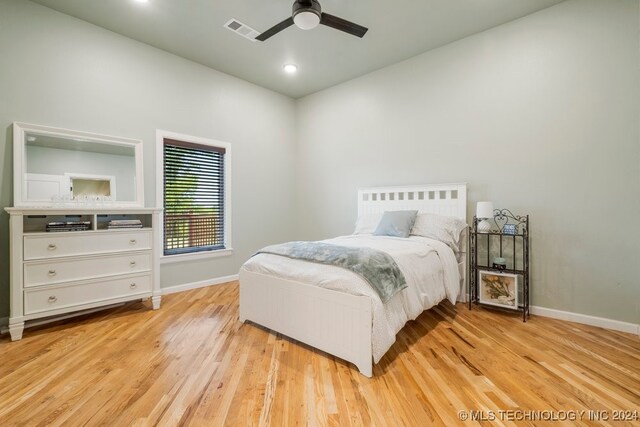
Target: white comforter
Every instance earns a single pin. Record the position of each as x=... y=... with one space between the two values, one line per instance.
x=429 y=267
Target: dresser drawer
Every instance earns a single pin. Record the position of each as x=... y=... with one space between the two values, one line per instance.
x=38 y=300
x=81 y=243
x=53 y=271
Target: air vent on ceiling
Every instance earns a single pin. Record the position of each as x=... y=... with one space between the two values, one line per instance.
x=241 y=29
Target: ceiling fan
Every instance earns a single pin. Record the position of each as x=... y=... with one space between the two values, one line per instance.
x=307 y=14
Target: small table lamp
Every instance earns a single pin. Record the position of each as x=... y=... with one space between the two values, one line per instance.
x=484 y=211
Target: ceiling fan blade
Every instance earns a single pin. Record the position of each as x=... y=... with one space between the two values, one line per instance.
x=343 y=25
x=275 y=29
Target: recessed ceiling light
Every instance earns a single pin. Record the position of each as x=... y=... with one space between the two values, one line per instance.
x=290 y=68
x=142 y=1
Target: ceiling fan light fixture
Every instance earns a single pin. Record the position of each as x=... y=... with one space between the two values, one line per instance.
x=306 y=20
x=306 y=14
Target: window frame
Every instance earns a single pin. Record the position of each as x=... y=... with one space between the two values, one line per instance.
x=161 y=135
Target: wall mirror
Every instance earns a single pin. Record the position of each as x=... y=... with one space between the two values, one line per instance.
x=54 y=167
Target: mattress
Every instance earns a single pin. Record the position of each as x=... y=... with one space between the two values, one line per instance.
x=429 y=266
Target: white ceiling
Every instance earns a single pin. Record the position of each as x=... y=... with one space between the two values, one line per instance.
x=398 y=30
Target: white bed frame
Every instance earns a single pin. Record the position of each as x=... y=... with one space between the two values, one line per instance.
x=336 y=322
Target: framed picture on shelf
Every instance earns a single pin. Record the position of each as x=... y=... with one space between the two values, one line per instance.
x=498 y=289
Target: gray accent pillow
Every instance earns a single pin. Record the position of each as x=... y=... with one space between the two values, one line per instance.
x=396 y=223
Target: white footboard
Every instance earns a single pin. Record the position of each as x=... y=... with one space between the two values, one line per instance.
x=334 y=322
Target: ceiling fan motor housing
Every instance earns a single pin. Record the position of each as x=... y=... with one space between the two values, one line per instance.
x=306 y=6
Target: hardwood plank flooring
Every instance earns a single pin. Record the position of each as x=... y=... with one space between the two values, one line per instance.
x=193 y=363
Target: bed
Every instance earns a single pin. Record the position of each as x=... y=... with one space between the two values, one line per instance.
x=333 y=309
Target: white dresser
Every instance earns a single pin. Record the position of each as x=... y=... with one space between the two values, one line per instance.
x=56 y=273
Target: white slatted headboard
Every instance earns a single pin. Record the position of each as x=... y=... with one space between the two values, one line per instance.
x=441 y=199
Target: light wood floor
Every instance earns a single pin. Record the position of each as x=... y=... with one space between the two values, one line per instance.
x=192 y=362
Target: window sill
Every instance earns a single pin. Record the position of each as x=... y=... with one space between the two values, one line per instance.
x=167 y=259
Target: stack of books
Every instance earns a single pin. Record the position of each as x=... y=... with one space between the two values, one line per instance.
x=68 y=226
x=124 y=223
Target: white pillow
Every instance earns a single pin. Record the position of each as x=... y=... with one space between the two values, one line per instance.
x=366 y=224
x=447 y=229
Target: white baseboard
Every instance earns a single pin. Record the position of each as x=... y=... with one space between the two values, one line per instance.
x=585 y=319
x=200 y=284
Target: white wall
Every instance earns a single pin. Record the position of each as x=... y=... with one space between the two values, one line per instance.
x=59 y=71
x=540 y=115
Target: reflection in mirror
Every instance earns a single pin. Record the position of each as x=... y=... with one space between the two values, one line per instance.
x=90 y=186
x=62 y=166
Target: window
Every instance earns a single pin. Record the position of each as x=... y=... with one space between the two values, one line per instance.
x=195 y=195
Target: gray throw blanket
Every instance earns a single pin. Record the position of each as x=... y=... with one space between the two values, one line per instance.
x=375 y=266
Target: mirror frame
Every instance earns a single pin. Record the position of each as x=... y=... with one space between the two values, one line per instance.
x=20 y=162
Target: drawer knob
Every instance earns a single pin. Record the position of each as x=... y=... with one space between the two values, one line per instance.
x=133 y=241
x=52 y=272
x=132 y=286
x=53 y=298
x=52 y=247
x=132 y=263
